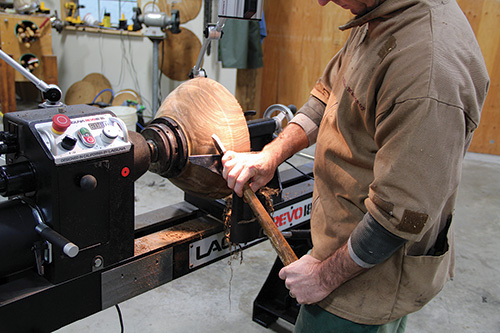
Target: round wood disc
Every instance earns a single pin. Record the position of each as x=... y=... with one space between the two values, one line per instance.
x=125 y=94
x=100 y=83
x=180 y=53
x=81 y=92
x=203 y=107
x=152 y=7
x=188 y=9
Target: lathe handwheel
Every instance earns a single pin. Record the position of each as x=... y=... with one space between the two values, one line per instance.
x=284 y=112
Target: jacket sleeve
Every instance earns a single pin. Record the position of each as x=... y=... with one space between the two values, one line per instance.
x=417 y=167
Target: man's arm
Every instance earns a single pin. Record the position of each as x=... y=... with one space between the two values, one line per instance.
x=258 y=168
x=311 y=280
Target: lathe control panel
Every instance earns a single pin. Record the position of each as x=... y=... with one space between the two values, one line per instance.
x=70 y=140
x=65 y=165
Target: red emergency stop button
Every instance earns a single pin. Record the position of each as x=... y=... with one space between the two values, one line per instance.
x=60 y=122
x=125 y=172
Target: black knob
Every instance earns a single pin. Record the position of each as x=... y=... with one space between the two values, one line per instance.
x=53 y=94
x=88 y=182
x=68 y=142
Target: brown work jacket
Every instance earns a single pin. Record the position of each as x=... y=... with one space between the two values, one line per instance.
x=403 y=98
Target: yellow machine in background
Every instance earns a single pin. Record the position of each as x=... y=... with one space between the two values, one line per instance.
x=72 y=17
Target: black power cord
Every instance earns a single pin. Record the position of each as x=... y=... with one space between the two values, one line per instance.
x=120 y=317
x=300 y=171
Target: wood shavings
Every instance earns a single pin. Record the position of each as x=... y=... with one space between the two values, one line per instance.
x=264 y=194
x=236 y=251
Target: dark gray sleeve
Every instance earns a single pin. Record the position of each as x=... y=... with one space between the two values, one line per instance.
x=314 y=109
x=370 y=243
x=309 y=117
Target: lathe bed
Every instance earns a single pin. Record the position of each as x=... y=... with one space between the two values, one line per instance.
x=173 y=241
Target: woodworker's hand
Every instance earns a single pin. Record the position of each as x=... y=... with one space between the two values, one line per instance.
x=240 y=168
x=311 y=280
x=302 y=278
x=258 y=168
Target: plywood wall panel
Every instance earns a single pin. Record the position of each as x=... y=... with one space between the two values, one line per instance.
x=11 y=45
x=302 y=37
x=484 y=17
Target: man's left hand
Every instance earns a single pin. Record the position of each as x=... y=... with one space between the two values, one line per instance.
x=302 y=278
x=311 y=280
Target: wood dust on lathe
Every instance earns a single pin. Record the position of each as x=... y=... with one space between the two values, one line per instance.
x=236 y=251
x=265 y=194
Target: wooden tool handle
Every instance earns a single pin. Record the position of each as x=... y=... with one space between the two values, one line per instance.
x=278 y=242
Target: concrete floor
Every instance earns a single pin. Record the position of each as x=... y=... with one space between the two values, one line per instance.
x=219 y=298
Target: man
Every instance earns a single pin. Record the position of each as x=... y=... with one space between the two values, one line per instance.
x=392 y=117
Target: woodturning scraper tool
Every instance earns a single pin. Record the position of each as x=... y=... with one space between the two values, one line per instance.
x=278 y=242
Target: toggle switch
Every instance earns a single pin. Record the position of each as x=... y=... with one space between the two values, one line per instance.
x=68 y=142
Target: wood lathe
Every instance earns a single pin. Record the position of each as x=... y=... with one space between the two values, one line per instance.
x=67 y=233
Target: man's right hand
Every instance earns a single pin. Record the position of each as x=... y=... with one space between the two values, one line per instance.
x=257 y=169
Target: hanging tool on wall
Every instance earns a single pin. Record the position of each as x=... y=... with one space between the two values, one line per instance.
x=72 y=17
x=56 y=22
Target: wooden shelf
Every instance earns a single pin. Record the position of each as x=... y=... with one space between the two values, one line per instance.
x=109 y=31
x=38 y=49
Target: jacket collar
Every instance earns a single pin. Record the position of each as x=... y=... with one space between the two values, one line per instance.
x=388 y=8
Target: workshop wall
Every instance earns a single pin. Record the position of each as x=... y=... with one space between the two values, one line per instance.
x=302 y=37
x=484 y=17
x=125 y=60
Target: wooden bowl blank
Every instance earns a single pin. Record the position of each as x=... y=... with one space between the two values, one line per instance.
x=180 y=54
x=125 y=94
x=100 y=83
x=151 y=7
x=203 y=107
x=81 y=92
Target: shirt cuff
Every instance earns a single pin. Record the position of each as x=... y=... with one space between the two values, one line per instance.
x=309 y=127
